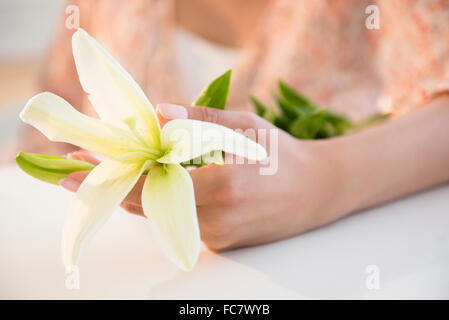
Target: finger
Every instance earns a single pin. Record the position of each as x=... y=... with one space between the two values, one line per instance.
x=134 y=197
x=205 y=183
x=83 y=155
x=231 y=119
x=73 y=181
x=133 y=209
x=202 y=184
x=166 y=112
x=202 y=181
x=132 y=202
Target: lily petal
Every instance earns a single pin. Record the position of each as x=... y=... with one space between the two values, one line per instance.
x=185 y=139
x=114 y=94
x=100 y=193
x=59 y=121
x=169 y=203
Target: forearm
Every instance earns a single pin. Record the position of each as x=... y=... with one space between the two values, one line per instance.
x=395 y=159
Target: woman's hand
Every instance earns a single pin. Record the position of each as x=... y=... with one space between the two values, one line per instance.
x=316 y=181
x=236 y=205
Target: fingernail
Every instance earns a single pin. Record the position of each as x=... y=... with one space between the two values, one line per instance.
x=72 y=156
x=70 y=184
x=172 y=111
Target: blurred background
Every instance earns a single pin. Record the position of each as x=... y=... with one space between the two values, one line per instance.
x=26 y=28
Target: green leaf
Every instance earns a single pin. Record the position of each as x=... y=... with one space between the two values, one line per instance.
x=295 y=98
x=215 y=95
x=288 y=109
x=260 y=108
x=339 y=123
x=270 y=115
x=326 y=131
x=304 y=120
x=370 y=121
x=283 y=122
x=308 y=128
x=49 y=169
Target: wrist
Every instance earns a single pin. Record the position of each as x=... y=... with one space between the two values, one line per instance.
x=361 y=170
x=341 y=167
x=333 y=179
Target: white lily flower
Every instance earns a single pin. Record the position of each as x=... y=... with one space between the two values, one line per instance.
x=130 y=136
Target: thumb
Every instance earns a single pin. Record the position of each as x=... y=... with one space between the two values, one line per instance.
x=231 y=119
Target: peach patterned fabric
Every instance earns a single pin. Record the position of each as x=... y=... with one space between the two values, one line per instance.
x=324 y=49
x=413 y=52
x=320 y=47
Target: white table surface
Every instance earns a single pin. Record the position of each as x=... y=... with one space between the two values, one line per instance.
x=408 y=240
